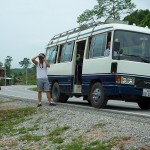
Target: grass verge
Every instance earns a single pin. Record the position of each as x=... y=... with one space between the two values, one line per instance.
x=10 y=118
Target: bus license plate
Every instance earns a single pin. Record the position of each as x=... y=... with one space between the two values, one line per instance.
x=146 y=92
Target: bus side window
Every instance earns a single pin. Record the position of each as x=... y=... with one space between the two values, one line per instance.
x=51 y=55
x=98 y=45
x=66 y=52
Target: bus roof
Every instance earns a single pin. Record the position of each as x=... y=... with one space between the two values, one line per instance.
x=77 y=33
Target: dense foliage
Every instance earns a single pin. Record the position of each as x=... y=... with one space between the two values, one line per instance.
x=112 y=9
x=25 y=63
x=7 y=65
x=20 y=76
x=139 y=17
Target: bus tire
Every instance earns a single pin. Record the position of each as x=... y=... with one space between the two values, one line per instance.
x=56 y=92
x=97 y=97
x=145 y=104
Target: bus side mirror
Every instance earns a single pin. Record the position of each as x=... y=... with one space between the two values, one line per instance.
x=116 y=46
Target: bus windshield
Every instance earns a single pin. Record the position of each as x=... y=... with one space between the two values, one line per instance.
x=133 y=46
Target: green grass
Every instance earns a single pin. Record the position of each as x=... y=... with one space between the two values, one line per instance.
x=58 y=131
x=6 y=101
x=26 y=130
x=80 y=144
x=99 y=125
x=10 y=118
x=100 y=145
x=77 y=129
x=75 y=145
x=58 y=140
x=35 y=89
x=30 y=138
x=53 y=136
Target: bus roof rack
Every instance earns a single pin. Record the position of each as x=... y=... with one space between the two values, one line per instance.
x=75 y=30
x=84 y=27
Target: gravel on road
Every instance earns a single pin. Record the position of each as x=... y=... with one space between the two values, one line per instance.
x=60 y=125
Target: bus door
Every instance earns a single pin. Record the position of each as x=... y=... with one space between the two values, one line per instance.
x=80 y=47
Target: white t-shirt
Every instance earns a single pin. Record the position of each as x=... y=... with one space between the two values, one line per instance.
x=41 y=71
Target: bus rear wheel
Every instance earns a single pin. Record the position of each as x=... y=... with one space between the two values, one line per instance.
x=56 y=92
x=97 y=97
x=145 y=104
x=57 y=96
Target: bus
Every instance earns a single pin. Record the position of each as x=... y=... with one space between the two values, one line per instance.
x=78 y=66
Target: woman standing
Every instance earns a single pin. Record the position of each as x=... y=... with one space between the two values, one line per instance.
x=42 y=79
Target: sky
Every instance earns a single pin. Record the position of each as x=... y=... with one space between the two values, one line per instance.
x=26 y=26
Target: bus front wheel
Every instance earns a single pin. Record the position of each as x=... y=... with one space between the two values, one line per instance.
x=97 y=97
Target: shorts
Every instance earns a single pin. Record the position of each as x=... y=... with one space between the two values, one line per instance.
x=43 y=84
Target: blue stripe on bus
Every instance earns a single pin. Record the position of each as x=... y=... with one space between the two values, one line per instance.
x=107 y=80
x=110 y=86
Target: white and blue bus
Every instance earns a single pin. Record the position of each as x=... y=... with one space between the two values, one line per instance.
x=79 y=68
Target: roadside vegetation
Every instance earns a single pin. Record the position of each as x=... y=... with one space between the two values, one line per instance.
x=20 y=76
x=12 y=117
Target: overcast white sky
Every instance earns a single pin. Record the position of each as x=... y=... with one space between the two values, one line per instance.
x=26 y=26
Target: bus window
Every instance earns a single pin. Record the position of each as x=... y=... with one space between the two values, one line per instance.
x=51 y=55
x=98 y=45
x=66 y=52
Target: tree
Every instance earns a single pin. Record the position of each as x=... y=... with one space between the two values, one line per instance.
x=25 y=63
x=139 y=17
x=7 y=65
x=111 y=9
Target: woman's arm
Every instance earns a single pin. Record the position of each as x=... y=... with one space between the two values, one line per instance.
x=34 y=60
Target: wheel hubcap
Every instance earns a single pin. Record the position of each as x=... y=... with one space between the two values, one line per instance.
x=96 y=95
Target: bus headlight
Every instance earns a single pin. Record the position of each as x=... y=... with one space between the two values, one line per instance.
x=127 y=80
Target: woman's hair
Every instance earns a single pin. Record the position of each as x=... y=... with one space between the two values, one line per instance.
x=40 y=60
x=40 y=57
x=43 y=54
